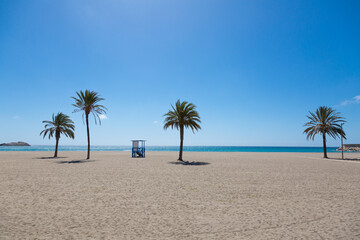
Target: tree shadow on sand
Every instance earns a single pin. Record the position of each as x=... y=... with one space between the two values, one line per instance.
x=346 y=159
x=75 y=161
x=189 y=163
x=49 y=157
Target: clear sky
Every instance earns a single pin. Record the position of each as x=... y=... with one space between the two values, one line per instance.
x=253 y=68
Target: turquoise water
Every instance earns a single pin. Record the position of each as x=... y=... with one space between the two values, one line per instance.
x=173 y=148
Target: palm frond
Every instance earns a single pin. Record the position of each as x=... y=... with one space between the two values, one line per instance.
x=325 y=120
x=88 y=102
x=60 y=124
x=183 y=114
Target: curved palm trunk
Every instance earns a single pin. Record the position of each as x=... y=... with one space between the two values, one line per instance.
x=57 y=144
x=181 y=142
x=88 y=135
x=324 y=144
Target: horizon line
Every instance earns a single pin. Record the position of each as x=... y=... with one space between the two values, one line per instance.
x=67 y=145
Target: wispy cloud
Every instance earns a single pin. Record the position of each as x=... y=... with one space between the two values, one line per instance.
x=354 y=100
x=102 y=116
x=155 y=122
x=15 y=117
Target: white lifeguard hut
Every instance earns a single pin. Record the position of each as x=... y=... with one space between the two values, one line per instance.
x=138 y=148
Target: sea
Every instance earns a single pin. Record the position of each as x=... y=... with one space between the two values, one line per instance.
x=173 y=148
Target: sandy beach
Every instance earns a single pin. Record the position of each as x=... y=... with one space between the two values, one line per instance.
x=223 y=196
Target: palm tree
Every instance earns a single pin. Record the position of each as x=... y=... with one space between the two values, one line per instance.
x=324 y=121
x=60 y=124
x=88 y=102
x=183 y=115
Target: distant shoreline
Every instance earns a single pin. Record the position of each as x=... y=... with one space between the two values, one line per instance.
x=175 y=148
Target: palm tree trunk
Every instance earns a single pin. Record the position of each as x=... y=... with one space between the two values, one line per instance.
x=88 y=135
x=181 y=142
x=324 y=144
x=56 y=146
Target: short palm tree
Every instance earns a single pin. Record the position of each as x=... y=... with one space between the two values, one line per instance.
x=88 y=102
x=324 y=121
x=183 y=115
x=60 y=124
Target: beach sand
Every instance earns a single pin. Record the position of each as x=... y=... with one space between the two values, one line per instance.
x=224 y=196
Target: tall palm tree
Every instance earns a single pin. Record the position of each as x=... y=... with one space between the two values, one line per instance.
x=88 y=102
x=183 y=115
x=324 y=121
x=60 y=124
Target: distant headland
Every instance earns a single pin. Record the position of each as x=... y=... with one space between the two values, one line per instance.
x=350 y=147
x=18 y=144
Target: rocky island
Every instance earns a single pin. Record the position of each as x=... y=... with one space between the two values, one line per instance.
x=350 y=147
x=17 y=144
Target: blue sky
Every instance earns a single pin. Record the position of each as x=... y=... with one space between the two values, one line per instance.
x=253 y=68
